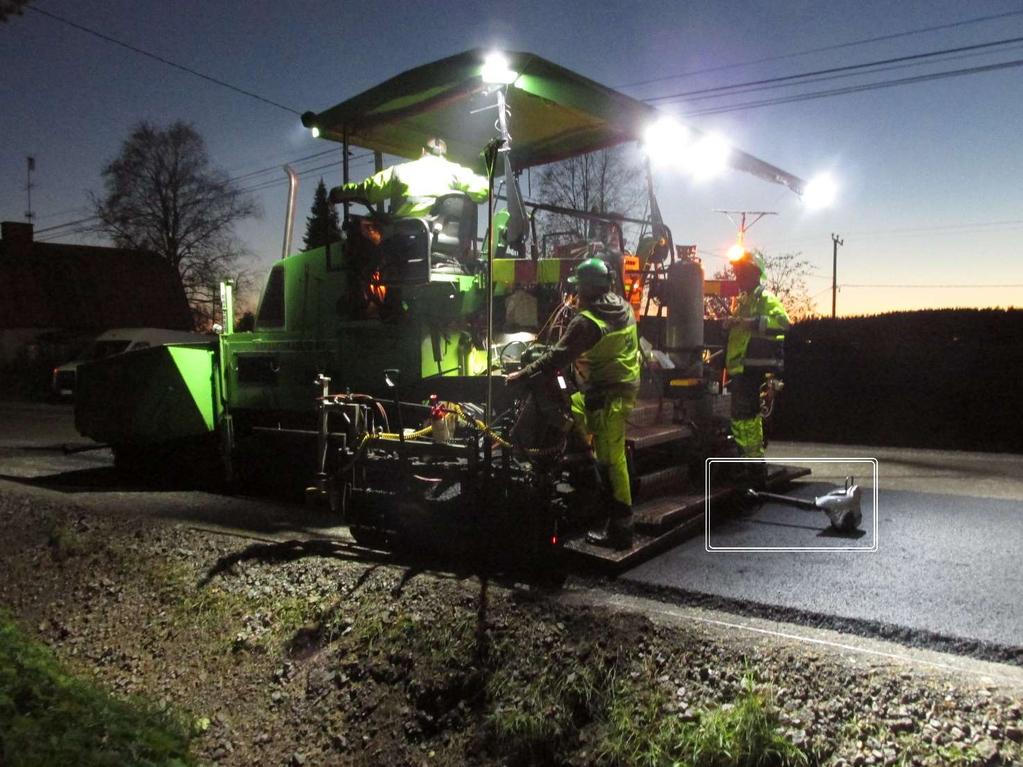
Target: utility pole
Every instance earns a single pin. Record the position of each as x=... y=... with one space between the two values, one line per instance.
x=29 y=215
x=835 y=242
x=741 y=224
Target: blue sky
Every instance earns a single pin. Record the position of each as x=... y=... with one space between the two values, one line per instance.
x=928 y=172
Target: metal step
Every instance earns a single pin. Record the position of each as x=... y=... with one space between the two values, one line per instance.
x=663 y=522
x=644 y=547
x=650 y=411
x=656 y=516
x=643 y=437
x=673 y=479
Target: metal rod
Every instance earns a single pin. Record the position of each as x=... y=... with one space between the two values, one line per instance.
x=346 y=205
x=801 y=503
x=289 y=220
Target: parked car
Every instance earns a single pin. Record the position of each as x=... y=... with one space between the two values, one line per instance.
x=117 y=341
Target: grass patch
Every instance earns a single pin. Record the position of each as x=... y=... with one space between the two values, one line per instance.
x=49 y=717
x=629 y=720
x=745 y=735
x=223 y=619
x=534 y=719
x=64 y=540
x=911 y=748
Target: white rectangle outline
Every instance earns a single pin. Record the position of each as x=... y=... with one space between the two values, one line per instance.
x=706 y=505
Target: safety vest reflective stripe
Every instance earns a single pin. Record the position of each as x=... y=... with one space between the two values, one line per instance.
x=761 y=305
x=614 y=359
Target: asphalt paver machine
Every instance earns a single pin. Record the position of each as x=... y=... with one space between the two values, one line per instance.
x=374 y=374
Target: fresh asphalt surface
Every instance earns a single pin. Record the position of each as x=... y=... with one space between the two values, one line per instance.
x=944 y=564
x=946 y=561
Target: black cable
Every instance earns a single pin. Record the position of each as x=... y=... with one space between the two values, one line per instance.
x=856 y=88
x=846 y=75
x=162 y=60
x=824 y=49
x=847 y=68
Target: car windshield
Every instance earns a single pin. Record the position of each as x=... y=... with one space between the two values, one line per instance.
x=102 y=349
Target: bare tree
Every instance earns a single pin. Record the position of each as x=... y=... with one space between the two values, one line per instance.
x=11 y=8
x=607 y=181
x=786 y=277
x=162 y=194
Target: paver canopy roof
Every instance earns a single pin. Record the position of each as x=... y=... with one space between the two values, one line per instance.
x=554 y=114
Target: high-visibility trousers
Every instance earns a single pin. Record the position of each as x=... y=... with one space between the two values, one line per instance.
x=747 y=424
x=606 y=425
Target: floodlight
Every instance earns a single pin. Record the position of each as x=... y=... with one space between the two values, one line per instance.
x=496 y=72
x=820 y=192
x=707 y=157
x=665 y=141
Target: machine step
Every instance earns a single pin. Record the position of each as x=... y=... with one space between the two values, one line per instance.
x=673 y=479
x=661 y=513
x=644 y=437
x=650 y=411
x=644 y=546
x=663 y=522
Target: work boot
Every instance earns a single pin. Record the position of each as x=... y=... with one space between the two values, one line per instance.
x=613 y=535
x=617 y=532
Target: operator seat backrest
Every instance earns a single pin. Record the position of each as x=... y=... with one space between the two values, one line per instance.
x=455 y=218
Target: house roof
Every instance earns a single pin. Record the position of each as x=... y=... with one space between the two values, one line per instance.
x=49 y=285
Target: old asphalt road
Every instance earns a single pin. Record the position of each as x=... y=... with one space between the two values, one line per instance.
x=33 y=461
x=940 y=569
x=944 y=572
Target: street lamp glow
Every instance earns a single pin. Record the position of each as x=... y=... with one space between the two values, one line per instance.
x=665 y=142
x=496 y=71
x=315 y=131
x=736 y=252
x=820 y=192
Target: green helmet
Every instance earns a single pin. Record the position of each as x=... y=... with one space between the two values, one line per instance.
x=591 y=273
x=750 y=259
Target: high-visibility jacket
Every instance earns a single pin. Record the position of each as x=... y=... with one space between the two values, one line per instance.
x=614 y=360
x=413 y=187
x=761 y=346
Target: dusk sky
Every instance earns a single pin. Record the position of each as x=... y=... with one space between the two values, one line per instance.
x=929 y=172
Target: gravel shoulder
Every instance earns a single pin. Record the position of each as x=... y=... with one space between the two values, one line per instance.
x=293 y=650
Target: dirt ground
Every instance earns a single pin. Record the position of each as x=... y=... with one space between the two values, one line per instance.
x=290 y=652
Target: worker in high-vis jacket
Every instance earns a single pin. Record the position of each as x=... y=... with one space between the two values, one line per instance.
x=412 y=188
x=756 y=340
x=603 y=343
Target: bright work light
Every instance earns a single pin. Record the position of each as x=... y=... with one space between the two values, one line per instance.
x=496 y=72
x=665 y=142
x=708 y=157
x=819 y=192
x=668 y=143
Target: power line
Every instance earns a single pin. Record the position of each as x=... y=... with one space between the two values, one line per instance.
x=824 y=49
x=856 y=88
x=858 y=70
x=65 y=225
x=257 y=187
x=161 y=59
x=719 y=90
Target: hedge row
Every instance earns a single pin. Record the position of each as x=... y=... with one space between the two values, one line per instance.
x=948 y=379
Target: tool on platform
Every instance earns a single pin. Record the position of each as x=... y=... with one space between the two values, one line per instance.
x=842 y=505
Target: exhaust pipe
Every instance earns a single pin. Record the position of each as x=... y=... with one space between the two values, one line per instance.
x=289 y=220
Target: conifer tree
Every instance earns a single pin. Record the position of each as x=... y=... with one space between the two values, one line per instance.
x=322 y=227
